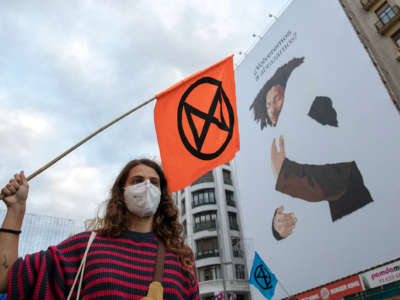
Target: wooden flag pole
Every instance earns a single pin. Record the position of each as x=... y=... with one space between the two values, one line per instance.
x=46 y=166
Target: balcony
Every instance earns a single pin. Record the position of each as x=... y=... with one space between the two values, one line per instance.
x=204 y=226
x=388 y=19
x=367 y=4
x=206 y=254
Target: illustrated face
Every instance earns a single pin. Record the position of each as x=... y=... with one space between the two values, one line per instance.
x=274 y=102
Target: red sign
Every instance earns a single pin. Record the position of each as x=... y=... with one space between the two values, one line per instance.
x=334 y=290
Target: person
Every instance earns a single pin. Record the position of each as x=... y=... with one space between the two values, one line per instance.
x=341 y=184
x=121 y=261
x=268 y=103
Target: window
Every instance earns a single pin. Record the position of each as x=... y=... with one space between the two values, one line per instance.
x=203 y=197
x=396 y=38
x=385 y=13
x=229 y=198
x=227 y=177
x=233 y=224
x=240 y=297
x=205 y=220
x=212 y=272
x=240 y=272
x=236 y=248
x=207 y=247
x=208 y=177
x=183 y=206
x=184 y=229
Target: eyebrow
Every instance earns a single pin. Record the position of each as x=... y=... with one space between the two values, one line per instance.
x=142 y=177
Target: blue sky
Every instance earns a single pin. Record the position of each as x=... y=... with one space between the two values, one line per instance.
x=69 y=67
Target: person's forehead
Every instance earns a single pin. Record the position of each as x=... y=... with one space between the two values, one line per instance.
x=143 y=171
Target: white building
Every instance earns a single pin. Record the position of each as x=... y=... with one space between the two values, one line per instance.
x=209 y=213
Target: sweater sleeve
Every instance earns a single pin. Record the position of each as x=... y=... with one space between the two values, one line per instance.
x=46 y=274
x=195 y=294
x=314 y=182
x=340 y=184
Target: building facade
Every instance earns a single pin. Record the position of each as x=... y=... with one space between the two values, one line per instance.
x=209 y=213
x=377 y=22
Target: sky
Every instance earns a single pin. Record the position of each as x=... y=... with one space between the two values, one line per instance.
x=68 y=68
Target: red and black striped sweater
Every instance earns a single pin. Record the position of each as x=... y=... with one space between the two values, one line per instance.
x=116 y=268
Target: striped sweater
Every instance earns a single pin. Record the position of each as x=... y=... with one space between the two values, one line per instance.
x=116 y=268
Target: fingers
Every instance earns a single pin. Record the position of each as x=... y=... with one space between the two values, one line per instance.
x=284 y=223
x=14 y=184
x=286 y=219
x=5 y=191
x=20 y=178
x=282 y=144
x=24 y=180
x=274 y=150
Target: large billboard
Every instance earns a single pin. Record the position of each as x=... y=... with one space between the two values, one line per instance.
x=318 y=169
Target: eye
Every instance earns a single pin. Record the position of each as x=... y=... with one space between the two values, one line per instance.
x=136 y=180
x=155 y=181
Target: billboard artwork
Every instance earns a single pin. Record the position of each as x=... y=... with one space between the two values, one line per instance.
x=318 y=165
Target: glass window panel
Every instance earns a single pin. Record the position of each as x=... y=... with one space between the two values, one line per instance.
x=201 y=198
x=206 y=198
x=227 y=177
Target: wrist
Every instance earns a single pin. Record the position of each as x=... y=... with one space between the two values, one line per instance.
x=14 y=218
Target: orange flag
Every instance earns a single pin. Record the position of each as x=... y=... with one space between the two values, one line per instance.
x=197 y=125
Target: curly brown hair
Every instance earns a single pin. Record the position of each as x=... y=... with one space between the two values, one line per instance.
x=165 y=223
x=280 y=78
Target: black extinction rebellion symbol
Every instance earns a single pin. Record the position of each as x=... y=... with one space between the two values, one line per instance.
x=208 y=117
x=263 y=277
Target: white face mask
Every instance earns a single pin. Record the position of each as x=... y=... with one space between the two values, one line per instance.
x=142 y=199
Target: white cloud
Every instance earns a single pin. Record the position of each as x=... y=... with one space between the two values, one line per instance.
x=72 y=188
x=21 y=129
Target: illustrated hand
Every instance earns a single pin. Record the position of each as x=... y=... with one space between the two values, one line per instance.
x=284 y=223
x=277 y=157
x=15 y=193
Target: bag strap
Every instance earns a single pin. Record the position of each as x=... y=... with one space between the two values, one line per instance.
x=81 y=269
x=158 y=273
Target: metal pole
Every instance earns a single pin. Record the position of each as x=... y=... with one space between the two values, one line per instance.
x=283 y=288
x=49 y=164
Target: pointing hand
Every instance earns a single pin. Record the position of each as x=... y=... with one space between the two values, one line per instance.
x=277 y=157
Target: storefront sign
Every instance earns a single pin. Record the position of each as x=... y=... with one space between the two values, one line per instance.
x=381 y=276
x=335 y=290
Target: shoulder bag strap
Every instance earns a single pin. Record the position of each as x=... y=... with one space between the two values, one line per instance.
x=158 y=273
x=81 y=269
